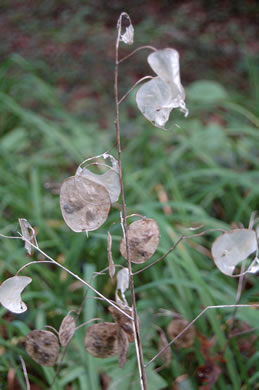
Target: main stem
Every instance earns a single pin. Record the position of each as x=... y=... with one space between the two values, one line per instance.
x=138 y=344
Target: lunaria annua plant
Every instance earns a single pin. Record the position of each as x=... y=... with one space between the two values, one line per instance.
x=86 y=200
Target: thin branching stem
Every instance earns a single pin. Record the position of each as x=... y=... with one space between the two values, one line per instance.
x=243 y=332
x=88 y=322
x=160 y=258
x=66 y=346
x=28 y=386
x=138 y=344
x=33 y=262
x=182 y=237
x=135 y=51
x=192 y=322
x=70 y=272
x=133 y=87
x=240 y=287
x=52 y=328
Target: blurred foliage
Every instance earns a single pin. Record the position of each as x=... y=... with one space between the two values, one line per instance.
x=56 y=109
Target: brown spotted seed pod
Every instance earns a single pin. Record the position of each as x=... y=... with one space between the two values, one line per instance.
x=101 y=340
x=42 y=346
x=175 y=327
x=143 y=237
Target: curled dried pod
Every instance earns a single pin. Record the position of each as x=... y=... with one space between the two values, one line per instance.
x=42 y=346
x=143 y=238
x=66 y=330
x=101 y=340
x=10 y=293
x=175 y=327
x=123 y=322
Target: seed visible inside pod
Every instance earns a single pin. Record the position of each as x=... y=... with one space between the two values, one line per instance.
x=101 y=340
x=66 y=330
x=85 y=204
x=175 y=327
x=143 y=237
x=42 y=346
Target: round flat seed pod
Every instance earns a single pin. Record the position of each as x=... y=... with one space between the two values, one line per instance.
x=66 y=330
x=233 y=247
x=101 y=340
x=85 y=204
x=175 y=327
x=143 y=238
x=42 y=346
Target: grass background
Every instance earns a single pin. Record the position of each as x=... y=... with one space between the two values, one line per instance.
x=53 y=115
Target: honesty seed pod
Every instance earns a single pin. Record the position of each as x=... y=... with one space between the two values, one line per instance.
x=10 y=293
x=143 y=238
x=175 y=327
x=66 y=330
x=159 y=96
x=29 y=233
x=101 y=340
x=85 y=204
x=42 y=346
x=109 y=179
x=233 y=247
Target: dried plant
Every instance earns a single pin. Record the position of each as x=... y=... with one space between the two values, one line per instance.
x=86 y=200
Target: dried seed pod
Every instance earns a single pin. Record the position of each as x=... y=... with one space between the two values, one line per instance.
x=10 y=293
x=122 y=285
x=42 y=346
x=109 y=253
x=124 y=322
x=29 y=233
x=175 y=327
x=123 y=346
x=159 y=96
x=163 y=342
x=85 y=204
x=143 y=236
x=66 y=330
x=109 y=179
x=233 y=247
x=101 y=340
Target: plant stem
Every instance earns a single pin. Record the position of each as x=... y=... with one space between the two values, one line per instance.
x=28 y=387
x=192 y=322
x=135 y=51
x=138 y=344
x=133 y=87
x=68 y=271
